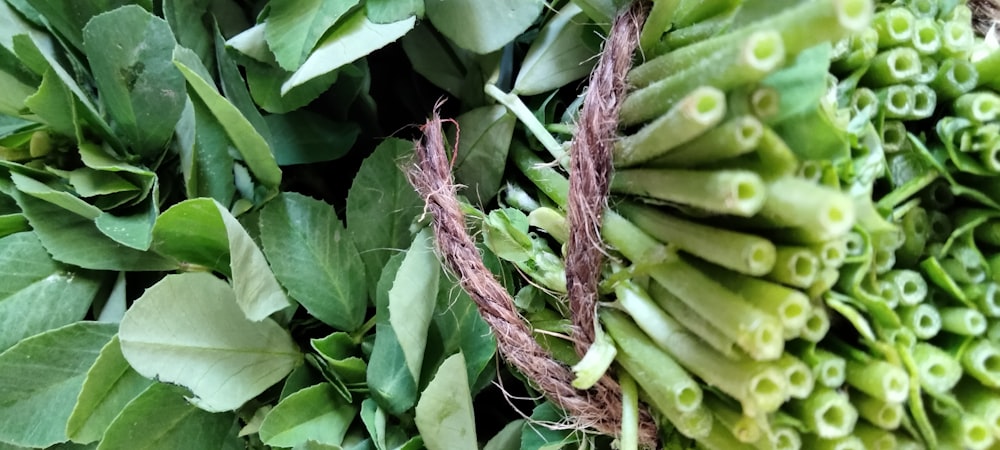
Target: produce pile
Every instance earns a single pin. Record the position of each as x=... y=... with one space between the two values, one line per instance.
x=208 y=238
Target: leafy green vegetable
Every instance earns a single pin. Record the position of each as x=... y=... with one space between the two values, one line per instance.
x=315 y=414
x=444 y=413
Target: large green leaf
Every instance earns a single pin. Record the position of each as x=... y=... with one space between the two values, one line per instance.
x=251 y=145
x=130 y=51
x=36 y=294
x=303 y=137
x=55 y=195
x=389 y=379
x=381 y=205
x=463 y=329
x=444 y=413
x=192 y=232
x=412 y=299
x=160 y=419
x=110 y=384
x=188 y=329
x=312 y=255
x=315 y=413
x=69 y=18
x=559 y=55
x=206 y=164
x=187 y=20
x=354 y=38
x=483 y=142
x=483 y=27
x=388 y=11
x=40 y=378
x=294 y=27
x=265 y=82
x=73 y=239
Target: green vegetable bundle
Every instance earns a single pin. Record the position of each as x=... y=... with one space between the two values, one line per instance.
x=803 y=227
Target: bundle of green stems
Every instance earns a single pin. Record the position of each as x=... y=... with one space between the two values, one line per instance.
x=803 y=235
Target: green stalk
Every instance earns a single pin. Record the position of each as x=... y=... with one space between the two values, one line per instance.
x=801 y=26
x=691 y=12
x=981 y=360
x=553 y=222
x=795 y=266
x=700 y=110
x=751 y=61
x=668 y=387
x=658 y=21
x=878 y=378
x=691 y=34
x=894 y=26
x=924 y=102
x=957 y=39
x=864 y=101
x=783 y=437
x=734 y=137
x=791 y=307
x=893 y=135
x=892 y=66
x=825 y=412
x=745 y=253
x=923 y=8
x=979 y=107
x=629 y=437
x=897 y=101
x=595 y=363
x=831 y=253
x=744 y=428
x=690 y=319
x=988 y=68
x=861 y=48
x=887 y=292
x=760 y=101
x=826 y=212
x=799 y=375
x=928 y=70
x=912 y=286
x=926 y=36
x=553 y=184
x=817 y=324
x=939 y=371
x=735 y=192
x=521 y=111
x=923 y=319
x=980 y=401
x=962 y=321
x=875 y=438
x=984 y=295
x=887 y=416
x=954 y=78
x=840 y=443
x=916 y=229
x=965 y=431
x=758 y=387
x=827 y=368
x=772 y=160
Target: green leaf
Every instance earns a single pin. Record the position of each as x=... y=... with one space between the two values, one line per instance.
x=304 y=137
x=40 y=379
x=559 y=55
x=55 y=196
x=483 y=143
x=389 y=378
x=388 y=11
x=88 y=182
x=411 y=299
x=354 y=38
x=188 y=329
x=133 y=230
x=381 y=205
x=444 y=413
x=192 y=232
x=235 y=88
x=69 y=19
x=257 y=290
x=535 y=436
x=339 y=352
x=441 y=62
x=130 y=51
x=508 y=438
x=463 y=329
x=315 y=413
x=110 y=385
x=483 y=27
x=37 y=294
x=160 y=419
x=187 y=21
x=76 y=240
x=800 y=85
x=265 y=86
x=250 y=144
x=16 y=80
x=312 y=255
x=294 y=27
x=206 y=163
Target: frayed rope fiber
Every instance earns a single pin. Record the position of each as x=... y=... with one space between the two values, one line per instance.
x=600 y=407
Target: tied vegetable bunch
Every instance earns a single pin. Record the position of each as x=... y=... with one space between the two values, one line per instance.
x=802 y=232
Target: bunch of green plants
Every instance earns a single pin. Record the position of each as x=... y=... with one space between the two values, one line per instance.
x=801 y=227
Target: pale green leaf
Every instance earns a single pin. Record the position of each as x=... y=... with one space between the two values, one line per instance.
x=389 y=380
x=463 y=329
x=251 y=43
x=160 y=419
x=559 y=55
x=388 y=11
x=312 y=255
x=206 y=164
x=192 y=232
x=257 y=290
x=444 y=413
x=316 y=413
x=40 y=379
x=294 y=27
x=129 y=51
x=109 y=386
x=251 y=145
x=483 y=27
x=265 y=82
x=412 y=299
x=88 y=182
x=508 y=438
x=354 y=38
x=381 y=205
x=55 y=196
x=134 y=230
x=188 y=329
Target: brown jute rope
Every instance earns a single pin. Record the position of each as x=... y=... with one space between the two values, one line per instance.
x=600 y=407
x=984 y=14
